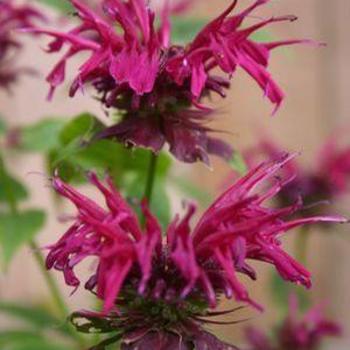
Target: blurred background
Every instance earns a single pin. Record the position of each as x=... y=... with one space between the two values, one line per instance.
x=317 y=84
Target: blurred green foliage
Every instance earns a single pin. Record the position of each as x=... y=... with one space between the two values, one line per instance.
x=16 y=227
x=238 y=164
x=36 y=330
x=62 y=6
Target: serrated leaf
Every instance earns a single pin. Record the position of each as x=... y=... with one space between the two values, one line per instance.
x=42 y=136
x=238 y=163
x=33 y=316
x=81 y=127
x=62 y=6
x=17 y=230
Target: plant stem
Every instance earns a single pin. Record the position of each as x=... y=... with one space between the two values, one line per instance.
x=150 y=178
x=51 y=283
x=39 y=258
x=55 y=291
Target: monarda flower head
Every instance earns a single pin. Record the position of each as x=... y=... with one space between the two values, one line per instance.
x=324 y=181
x=12 y=17
x=157 y=86
x=295 y=333
x=161 y=285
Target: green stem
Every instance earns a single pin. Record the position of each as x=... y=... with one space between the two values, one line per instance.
x=55 y=291
x=51 y=283
x=150 y=178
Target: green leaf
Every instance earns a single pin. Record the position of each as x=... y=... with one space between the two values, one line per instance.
x=139 y=159
x=81 y=127
x=134 y=187
x=191 y=190
x=73 y=160
x=160 y=204
x=11 y=337
x=27 y=340
x=18 y=229
x=184 y=29
x=11 y=190
x=10 y=184
x=62 y=6
x=42 y=136
x=36 y=344
x=238 y=163
x=101 y=155
x=78 y=157
x=281 y=291
x=33 y=316
x=262 y=36
x=3 y=126
x=104 y=345
x=67 y=171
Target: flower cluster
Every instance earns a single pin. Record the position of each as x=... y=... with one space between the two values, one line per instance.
x=306 y=333
x=12 y=16
x=158 y=86
x=138 y=270
x=327 y=180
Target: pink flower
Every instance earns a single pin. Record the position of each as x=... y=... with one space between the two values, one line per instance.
x=203 y=262
x=325 y=180
x=156 y=85
x=306 y=333
x=12 y=17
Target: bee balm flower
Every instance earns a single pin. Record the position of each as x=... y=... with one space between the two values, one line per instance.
x=157 y=86
x=204 y=261
x=325 y=180
x=12 y=17
x=150 y=283
x=306 y=333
